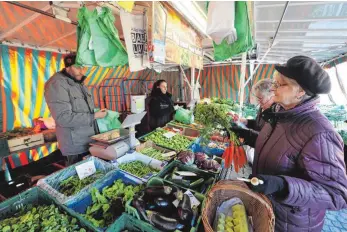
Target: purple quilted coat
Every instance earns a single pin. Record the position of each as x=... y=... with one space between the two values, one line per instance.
x=302 y=146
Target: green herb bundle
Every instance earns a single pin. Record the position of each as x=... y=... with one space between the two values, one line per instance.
x=109 y=205
x=46 y=218
x=73 y=184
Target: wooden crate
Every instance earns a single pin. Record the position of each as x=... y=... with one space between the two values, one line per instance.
x=25 y=142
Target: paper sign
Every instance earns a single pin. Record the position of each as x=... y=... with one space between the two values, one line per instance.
x=185 y=173
x=175 y=177
x=169 y=135
x=193 y=200
x=175 y=203
x=168 y=154
x=86 y=169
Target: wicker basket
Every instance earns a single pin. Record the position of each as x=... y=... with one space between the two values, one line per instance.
x=257 y=205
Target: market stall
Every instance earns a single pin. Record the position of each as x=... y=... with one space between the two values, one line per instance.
x=192 y=174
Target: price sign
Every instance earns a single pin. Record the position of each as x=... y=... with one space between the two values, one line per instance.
x=86 y=169
x=169 y=135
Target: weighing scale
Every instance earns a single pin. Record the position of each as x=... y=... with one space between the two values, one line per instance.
x=117 y=146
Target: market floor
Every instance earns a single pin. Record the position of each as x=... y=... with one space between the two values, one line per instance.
x=335 y=221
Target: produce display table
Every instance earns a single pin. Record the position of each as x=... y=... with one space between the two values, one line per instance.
x=92 y=206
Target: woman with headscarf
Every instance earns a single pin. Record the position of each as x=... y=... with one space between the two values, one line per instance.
x=298 y=153
x=161 y=106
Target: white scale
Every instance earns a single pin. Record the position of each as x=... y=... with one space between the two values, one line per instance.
x=126 y=143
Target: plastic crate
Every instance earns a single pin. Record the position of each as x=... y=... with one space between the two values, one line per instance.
x=197 y=147
x=127 y=222
x=183 y=167
x=33 y=196
x=149 y=144
x=142 y=139
x=136 y=156
x=181 y=125
x=51 y=183
x=81 y=203
x=157 y=181
x=188 y=132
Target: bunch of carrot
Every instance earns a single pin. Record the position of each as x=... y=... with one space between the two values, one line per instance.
x=234 y=154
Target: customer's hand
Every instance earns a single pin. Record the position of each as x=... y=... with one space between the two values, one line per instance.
x=236 y=118
x=100 y=114
x=272 y=185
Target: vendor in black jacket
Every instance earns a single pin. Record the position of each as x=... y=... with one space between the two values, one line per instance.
x=161 y=106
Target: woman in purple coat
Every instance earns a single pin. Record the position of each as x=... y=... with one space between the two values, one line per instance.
x=298 y=154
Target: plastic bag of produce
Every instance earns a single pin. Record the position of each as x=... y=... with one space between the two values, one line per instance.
x=184 y=116
x=186 y=157
x=244 y=40
x=65 y=185
x=231 y=214
x=98 y=40
x=220 y=21
x=135 y=35
x=110 y=122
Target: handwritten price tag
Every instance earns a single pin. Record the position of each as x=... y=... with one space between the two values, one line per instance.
x=86 y=169
x=169 y=135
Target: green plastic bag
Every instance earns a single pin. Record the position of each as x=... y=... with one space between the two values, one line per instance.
x=110 y=122
x=184 y=116
x=98 y=40
x=244 y=40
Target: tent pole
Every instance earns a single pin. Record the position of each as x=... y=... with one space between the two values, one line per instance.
x=272 y=43
x=242 y=81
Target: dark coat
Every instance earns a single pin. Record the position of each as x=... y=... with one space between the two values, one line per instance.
x=302 y=146
x=161 y=109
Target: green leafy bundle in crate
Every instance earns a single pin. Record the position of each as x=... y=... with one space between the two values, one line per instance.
x=34 y=210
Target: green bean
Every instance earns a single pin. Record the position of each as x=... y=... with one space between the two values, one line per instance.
x=138 y=168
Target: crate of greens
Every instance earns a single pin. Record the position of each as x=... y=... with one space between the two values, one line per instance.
x=130 y=223
x=167 y=207
x=139 y=165
x=159 y=153
x=187 y=176
x=35 y=210
x=168 y=139
x=67 y=184
x=100 y=209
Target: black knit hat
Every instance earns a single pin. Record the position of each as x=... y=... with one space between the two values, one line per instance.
x=70 y=59
x=308 y=73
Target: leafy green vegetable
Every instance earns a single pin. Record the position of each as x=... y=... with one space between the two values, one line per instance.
x=154 y=153
x=138 y=168
x=106 y=206
x=214 y=117
x=177 y=142
x=73 y=184
x=40 y=218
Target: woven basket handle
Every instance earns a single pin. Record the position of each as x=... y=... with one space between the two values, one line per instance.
x=225 y=184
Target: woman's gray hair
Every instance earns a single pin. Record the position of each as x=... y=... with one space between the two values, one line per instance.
x=263 y=87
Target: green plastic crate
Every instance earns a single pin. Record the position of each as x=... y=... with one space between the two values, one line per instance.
x=142 y=139
x=157 y=181
x=33 y=196
x=127 y=222
x=51 y=183
x=184 y=167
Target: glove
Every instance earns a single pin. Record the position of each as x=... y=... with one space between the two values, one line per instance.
x=272 y=185
x=176 y=107
x=250 y=136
